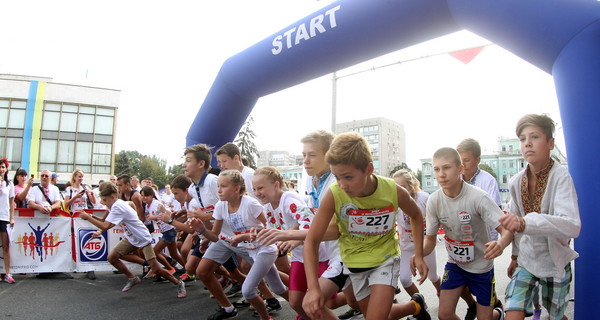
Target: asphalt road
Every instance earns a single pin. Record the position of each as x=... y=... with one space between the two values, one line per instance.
x=81 y=298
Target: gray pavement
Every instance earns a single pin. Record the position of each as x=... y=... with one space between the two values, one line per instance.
x=81 y=298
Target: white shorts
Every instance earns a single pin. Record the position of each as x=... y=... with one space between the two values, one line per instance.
x=386 y=274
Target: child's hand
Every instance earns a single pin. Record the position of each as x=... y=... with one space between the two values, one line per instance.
x=164 y=216
x=287 y=246
x=511 y=268
x=269 y=236
x=83 y=215
x=493 y=250
x=510 y=222
x=197 y=225
x=313 y=302
x=418 y=264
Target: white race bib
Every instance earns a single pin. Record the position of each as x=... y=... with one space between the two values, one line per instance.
x=371 y=222
x=460 y=251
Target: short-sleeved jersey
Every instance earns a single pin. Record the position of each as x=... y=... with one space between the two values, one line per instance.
x=367 y=225
x=79 y=203
x=292 y=210
x=465 y=219
x=124 y=216
x=241 y=221
x=248 y=174
x=152 y=209
x=205 y=192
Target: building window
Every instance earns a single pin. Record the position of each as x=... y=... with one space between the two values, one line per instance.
x=511 y=164
x=66 y=152
x=504 y=179
x=50 y=120
x=85 y=123
x=68 y=122
x=503 y=164
x=48 y=151
x=104 y=125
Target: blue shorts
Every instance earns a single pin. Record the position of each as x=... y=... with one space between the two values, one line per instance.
x=169 y=236
x=481 y=285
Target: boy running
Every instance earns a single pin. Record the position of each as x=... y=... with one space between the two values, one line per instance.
x=465 y=212
x=136 y=234
x=365 y=207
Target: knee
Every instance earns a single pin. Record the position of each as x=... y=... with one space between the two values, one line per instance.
x=406 y=280
x=113 y=257
x=248 y=291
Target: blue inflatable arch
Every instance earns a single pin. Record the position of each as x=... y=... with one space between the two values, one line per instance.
x=561 y=37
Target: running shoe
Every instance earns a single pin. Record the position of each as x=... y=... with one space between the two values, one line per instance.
x=222 y=314
x=8 y=278
x=471 y=311
x=186 y=277
x=130 y=283
x=350 y=314
x=242 y=303
x=171 y=271
x=159 y=279
x=234 y=290
x=423 y=315
x=181 y=292
x=272 y=307
x=145 y=270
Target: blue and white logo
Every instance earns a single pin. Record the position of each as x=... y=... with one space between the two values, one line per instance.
x=92 y=249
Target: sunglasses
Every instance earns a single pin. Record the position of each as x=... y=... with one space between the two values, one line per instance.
x=45 y=176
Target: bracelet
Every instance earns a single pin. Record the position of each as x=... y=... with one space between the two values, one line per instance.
x=514 y=257
x=201 y=233
x=522 y=226
x=170 y=221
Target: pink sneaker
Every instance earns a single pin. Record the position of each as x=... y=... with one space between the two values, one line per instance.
x=8 y=278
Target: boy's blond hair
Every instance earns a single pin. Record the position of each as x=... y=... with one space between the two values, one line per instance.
x=349 y=148
x=543 y=121
x=470 y=145
x=200 y=152
x=321 y=138
x=448 y=153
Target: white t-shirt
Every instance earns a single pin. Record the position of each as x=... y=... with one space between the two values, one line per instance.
x=36 y=195
x=152 y=209
x=7 y=191
x=404 y=227
x=79 y=203
x=465 y=219
x=167 y=198
x=241 y=221
x=292 y=210
x=207 y=193
x=248 y=174
x=123 y=215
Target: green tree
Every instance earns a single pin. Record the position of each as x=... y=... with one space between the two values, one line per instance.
x=403 y=165
x=489 y=169
x=245 y=141
x=174 y=171
x=151 y=168
x=128 y=162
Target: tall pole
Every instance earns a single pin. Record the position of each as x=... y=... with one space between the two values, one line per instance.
x=333 y=100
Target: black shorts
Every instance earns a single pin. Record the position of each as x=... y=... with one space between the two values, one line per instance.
x=3 y=225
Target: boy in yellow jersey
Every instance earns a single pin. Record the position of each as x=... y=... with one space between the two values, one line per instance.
x=365 y=207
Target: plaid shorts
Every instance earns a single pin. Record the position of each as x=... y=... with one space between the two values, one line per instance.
x=521 y=291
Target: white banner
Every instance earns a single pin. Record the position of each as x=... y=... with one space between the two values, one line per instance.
x=40 y=244
x=92 y=254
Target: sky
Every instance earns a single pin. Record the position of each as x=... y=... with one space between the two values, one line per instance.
x=164 y=56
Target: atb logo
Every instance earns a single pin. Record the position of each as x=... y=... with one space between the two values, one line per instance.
x=92 y=249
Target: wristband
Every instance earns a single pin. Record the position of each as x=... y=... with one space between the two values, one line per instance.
x=170 y=221
x=522 y=226
x=514 y=257
x=201 y=233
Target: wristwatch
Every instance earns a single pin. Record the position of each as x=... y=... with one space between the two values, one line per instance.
x=170 y=221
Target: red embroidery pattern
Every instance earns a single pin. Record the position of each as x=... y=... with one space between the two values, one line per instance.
x=533 y=203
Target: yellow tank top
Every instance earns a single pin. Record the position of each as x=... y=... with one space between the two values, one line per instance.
x=367 y=225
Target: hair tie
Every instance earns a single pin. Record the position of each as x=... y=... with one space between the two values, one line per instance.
x=6 y=162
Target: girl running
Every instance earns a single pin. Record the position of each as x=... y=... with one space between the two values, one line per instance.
x=288 y=220
x=408 y=181
x=237 y=217
x=169 y=234
x=151 y=211
x=7 y=215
